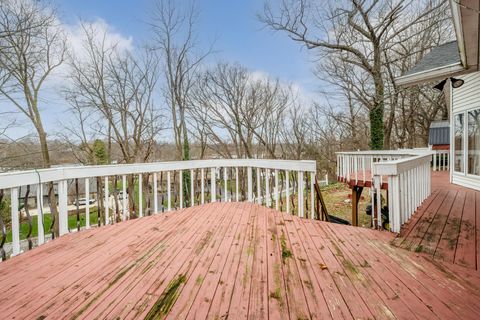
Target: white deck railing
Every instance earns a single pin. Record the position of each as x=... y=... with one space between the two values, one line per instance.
x=441 y=160
x=282 y=184
x=406 y=172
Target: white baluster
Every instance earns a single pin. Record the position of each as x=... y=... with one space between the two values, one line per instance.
x=287 y=189
x=202 y=185
x=236 y=185
x=181 y=189
x=192 y=193
x=87 y=203
x=312 y=195
x=301 y=205
x=106 y=204
x=277 y=202
x=268 y=201
x=41 y=231
x=15 y=221
x=249 y=184
x=155 y=193
x=213 y=184
x=63 y=210
x=124 y=200
x=225 y=177
x=169 y=192
x=140 y=195
x=259 y=194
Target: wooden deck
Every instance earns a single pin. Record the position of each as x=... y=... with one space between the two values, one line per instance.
x=447 y=225
x=233 y=260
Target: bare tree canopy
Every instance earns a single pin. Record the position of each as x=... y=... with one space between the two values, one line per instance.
x=233 y=108
x=361 y=35
x=32 y=46
x=117 y=89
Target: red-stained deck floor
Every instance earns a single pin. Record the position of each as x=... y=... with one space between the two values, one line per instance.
x=233 y=260
x=447 y=225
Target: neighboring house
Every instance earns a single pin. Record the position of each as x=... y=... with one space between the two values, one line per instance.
x=439 y=135
x=455 y=65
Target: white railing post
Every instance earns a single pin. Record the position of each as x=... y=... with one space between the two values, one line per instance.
x=249 y=184
x=192 y=190
x=213 y=184
x=105 y=188
x=236 y=184
x=181 y=188
x=312 y=195
x=287 y=189
x=259 y=181
x=268 y=201
x=140 y=195
x=62 y=206
x=87 y=203
x=124 y=197
x=155 y=193
x=301 y=205
x=202 y=185
x=225 y=188
x=41 y=231
x=396 y=210
x=169 y=192
x=15 y=221
x=277 y=198
x=378 y=186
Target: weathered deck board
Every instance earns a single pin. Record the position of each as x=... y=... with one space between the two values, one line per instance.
x=447 y=224
x=237 y=260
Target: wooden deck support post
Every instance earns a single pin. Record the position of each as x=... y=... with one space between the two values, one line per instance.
x=356 y=194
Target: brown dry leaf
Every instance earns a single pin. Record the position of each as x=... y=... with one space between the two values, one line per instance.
x=322 y=266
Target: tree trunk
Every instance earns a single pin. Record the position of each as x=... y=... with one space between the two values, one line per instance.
x=376 y=117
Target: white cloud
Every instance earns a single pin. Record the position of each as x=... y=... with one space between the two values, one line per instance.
x=76 y=36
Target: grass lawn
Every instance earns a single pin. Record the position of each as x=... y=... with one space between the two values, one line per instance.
x=47 y=220
x=337 y=197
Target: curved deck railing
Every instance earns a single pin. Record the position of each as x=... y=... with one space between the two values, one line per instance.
x=404 y=173
x=286 y=185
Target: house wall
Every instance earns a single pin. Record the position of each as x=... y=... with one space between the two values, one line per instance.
x=464 y=99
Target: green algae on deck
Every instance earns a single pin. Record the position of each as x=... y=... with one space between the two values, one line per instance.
x=285 y=252
x=167 y=299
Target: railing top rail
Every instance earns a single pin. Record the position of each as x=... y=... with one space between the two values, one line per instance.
x=396 y=167
x=21 y=178
x=399 y=152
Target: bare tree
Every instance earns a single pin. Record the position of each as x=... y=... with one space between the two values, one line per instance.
x=176 y=42
x=118 y=88
x=32 y=46
x=355 y=31
x=29 y=53
x=240 y=116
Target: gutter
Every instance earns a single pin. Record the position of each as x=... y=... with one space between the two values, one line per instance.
x=430 y=74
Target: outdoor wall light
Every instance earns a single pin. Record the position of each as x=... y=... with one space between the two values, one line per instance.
x=440 y=85
x=457 y=83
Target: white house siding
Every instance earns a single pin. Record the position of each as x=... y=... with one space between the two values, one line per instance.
x=465 y=98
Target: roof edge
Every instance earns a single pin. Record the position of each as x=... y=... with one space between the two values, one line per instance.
x=431 y=74
x=457 y=26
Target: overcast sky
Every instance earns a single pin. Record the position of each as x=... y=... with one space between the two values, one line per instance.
x=237 y=34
